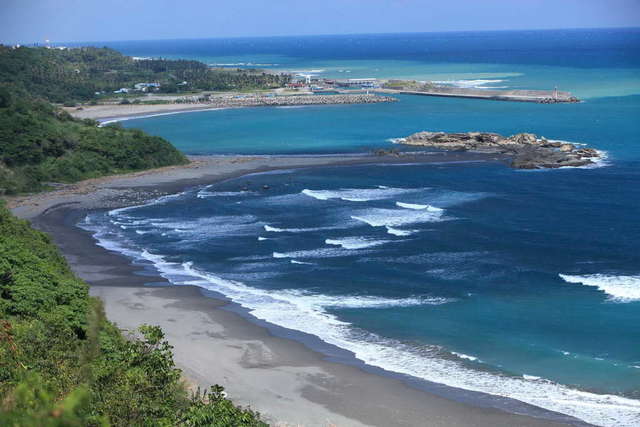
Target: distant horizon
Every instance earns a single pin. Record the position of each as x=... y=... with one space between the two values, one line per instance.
x=84 y=42
x=67 y=21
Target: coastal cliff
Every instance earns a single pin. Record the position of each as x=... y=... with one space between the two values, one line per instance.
x=526 y=149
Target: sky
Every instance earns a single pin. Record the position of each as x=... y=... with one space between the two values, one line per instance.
x=29 y=21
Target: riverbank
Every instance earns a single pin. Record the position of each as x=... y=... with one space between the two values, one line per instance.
x=213 y=340
x=113 y=111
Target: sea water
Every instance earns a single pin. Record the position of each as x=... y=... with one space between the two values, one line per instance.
x=523 y=284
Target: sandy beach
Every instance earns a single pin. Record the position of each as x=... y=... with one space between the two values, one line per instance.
x=116 y=111
x=216 y=342
x=107 y=112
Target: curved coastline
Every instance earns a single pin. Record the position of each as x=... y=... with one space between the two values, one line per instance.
x=121 y=284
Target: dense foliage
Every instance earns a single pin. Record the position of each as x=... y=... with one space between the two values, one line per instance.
x=80 y=74
x=63 y=364
x=40 y=143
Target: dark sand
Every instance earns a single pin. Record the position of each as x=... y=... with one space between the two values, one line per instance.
x=284 y=379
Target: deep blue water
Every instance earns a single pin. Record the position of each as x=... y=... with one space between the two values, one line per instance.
x=521 y=284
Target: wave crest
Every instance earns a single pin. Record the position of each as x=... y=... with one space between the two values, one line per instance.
x=618 y=288
x=356 y=242
x=358 y=194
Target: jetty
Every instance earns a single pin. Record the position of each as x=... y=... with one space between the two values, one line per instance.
x=294 y=100
x=518 y=95
x=425 y=88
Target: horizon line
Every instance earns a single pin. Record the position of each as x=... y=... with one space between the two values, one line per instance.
x=326 y=35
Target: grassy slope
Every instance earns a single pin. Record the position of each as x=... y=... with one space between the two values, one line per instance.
x=63 y=363
x=40 y=143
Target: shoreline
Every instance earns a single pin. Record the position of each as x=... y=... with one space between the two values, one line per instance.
x=107 y=112
x=256 y=360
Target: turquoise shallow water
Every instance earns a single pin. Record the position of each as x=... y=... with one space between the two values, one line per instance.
x=605 y=123
x=523 y=284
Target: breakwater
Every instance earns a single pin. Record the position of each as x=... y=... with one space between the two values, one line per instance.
x=518 y=95
x=293 y=100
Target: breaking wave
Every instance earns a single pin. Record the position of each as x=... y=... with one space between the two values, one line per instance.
x=378 y=217
x=471 y=84
x=618 y=288
x=358 y=194
x=295 y=230
x=202 y=194
x=356 y=242
x=312 y=314
x=399 y=232
x=316 y=253
x=418 y=207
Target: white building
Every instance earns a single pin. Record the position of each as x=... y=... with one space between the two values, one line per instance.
x=369 y=82
x=145 y=86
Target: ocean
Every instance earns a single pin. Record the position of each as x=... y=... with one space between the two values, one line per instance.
x=524 y=284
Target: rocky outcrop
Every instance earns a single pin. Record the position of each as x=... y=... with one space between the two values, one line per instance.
x=526 y=149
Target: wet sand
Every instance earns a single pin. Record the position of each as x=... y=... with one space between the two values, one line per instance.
x=214 y=342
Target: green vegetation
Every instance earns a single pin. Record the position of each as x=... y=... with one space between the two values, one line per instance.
x=83 y=74
x=40 y=143
x=63 y=364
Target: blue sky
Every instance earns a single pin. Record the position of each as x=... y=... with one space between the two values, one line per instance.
x=92 y=20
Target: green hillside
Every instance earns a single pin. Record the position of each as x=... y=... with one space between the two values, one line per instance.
x=63 y=364
x=40 y=143
x=78 y=74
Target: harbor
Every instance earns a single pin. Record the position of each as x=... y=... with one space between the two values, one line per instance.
x=424 y=88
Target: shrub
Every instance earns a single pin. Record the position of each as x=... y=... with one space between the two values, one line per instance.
x=63 y=364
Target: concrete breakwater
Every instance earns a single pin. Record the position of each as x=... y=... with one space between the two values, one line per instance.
x=292 y=100
x=538 y=96
x=526 y=149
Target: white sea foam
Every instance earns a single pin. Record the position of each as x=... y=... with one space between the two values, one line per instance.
x=308 y=313
x=601 y=161
x=204 y=228
x=296 y=230
x=203 y=194
x=399 y=232
x=377 y=217
x=356 y=242
x=531 y=377
x=418 y=207
x=260 y=238
x=293 y=261
x=478 y=83
x=358 y=194
x=618 y=288
x=317 y=253
x=465 y=356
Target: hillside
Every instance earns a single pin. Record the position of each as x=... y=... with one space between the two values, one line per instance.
x=40 y=143
x=82 y=74
x=63 y=363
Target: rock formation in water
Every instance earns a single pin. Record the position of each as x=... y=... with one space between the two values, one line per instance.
x=526 y=149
